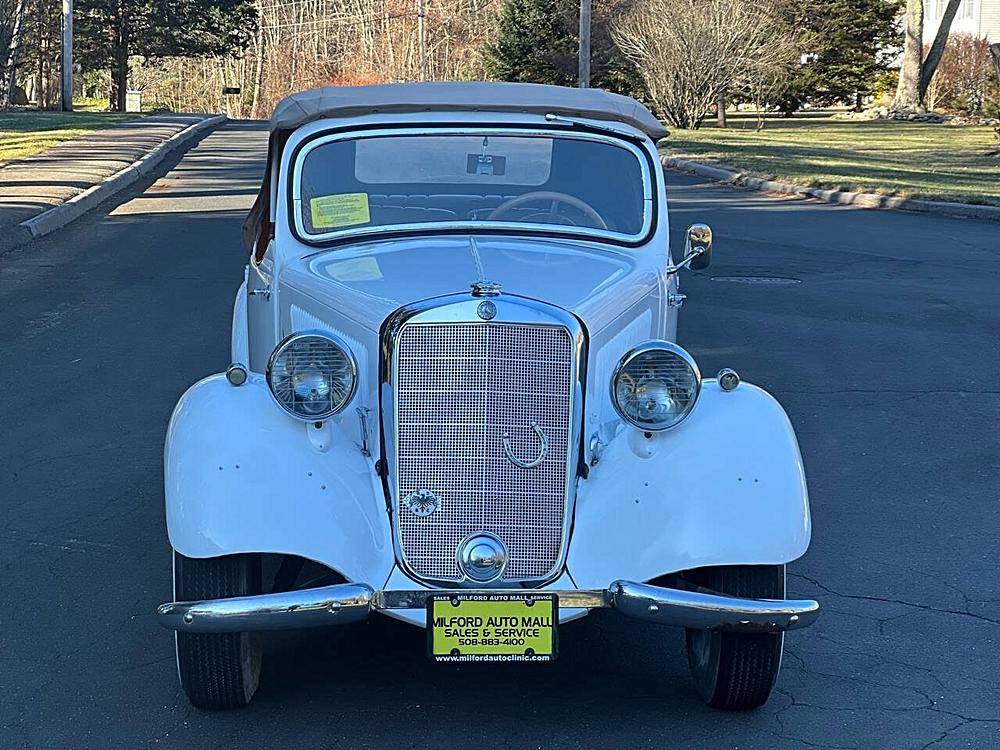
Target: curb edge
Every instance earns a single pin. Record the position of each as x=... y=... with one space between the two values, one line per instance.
x=862 y=200
x=61 y=215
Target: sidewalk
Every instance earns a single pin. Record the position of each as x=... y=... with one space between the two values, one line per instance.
x=78 y=174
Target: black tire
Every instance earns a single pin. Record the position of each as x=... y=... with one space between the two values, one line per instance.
x=736 y=671
x=217 y=670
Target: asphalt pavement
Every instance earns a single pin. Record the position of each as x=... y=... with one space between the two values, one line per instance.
x=877 y=330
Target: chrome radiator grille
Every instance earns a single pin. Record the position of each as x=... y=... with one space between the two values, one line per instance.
x=460 y=387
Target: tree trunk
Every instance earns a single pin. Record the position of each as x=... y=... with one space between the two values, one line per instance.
x=258 y=75
x=14 y=52
x=720 y=106
x=908 y=90
x=119 y=63
x=40 y=67
x=995 y=51
x=930 y=63
x=119 y=80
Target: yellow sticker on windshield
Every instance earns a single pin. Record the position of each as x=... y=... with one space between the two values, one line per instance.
x=342 y=210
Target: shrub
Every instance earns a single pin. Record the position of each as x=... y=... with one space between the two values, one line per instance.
x=964 y=75
x=991 y=102
x=885 y=86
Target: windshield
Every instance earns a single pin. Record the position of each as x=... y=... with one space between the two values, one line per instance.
x=498 y=180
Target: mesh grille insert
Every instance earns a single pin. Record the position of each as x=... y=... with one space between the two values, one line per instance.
x=459 y=388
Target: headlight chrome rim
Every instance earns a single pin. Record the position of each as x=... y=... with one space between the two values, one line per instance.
x=330 y=338
x=630 y=356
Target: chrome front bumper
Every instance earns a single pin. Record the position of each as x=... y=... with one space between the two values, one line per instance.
x=350 y=602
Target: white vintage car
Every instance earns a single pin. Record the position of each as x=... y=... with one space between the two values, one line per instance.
x=456 y=399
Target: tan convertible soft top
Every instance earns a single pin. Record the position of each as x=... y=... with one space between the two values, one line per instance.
x=333 y=102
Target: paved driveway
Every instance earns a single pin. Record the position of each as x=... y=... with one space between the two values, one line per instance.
x=877 y=330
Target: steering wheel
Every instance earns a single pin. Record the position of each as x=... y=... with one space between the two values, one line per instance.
x=549 y=195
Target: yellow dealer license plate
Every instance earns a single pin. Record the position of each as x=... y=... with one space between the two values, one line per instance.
x=492 y=627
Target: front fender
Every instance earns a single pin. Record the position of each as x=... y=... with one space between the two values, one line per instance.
x=243 y=476
x=725 y=487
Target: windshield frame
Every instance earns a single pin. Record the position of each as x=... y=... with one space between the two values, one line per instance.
x=649 y=207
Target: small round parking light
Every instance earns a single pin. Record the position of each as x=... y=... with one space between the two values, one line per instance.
x=728 y=379
x=236 y=374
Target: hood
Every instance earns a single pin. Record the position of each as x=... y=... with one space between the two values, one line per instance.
x=368 y=282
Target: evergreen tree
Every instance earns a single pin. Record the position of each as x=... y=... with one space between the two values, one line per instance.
x=847 y=44
x=533 y=44
x=538 y=42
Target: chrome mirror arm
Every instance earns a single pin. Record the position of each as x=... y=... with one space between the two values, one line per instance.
x=670 y=270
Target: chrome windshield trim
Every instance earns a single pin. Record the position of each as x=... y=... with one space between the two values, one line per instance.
x=641 y=156
x=462 y=308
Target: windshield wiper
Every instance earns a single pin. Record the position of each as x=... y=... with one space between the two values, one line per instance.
x=587 y=124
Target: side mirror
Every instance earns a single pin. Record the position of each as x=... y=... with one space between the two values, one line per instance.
x=698 y=246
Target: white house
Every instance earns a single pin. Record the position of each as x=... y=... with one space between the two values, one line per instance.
x=980 y=18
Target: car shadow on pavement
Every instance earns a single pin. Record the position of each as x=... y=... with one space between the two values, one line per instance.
x=601 y=655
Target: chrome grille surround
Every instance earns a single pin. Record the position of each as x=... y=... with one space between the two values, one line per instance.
x=453 y=385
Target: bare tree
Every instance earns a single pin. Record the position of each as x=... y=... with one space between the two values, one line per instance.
x=691 y=51
x=306 y=43
x=766 y=77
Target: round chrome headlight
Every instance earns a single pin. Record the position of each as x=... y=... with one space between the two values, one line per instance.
x=312 y=375
x=655 y=386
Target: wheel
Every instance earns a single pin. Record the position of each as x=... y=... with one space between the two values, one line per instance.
x=217 y=670
x=736 y=671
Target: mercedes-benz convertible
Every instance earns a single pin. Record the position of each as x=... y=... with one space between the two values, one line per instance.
x=456 y=398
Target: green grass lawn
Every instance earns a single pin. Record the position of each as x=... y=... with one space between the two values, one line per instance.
x=920 y=160
x=24 y=133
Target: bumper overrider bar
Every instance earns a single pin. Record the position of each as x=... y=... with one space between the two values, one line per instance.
x=350 y=602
